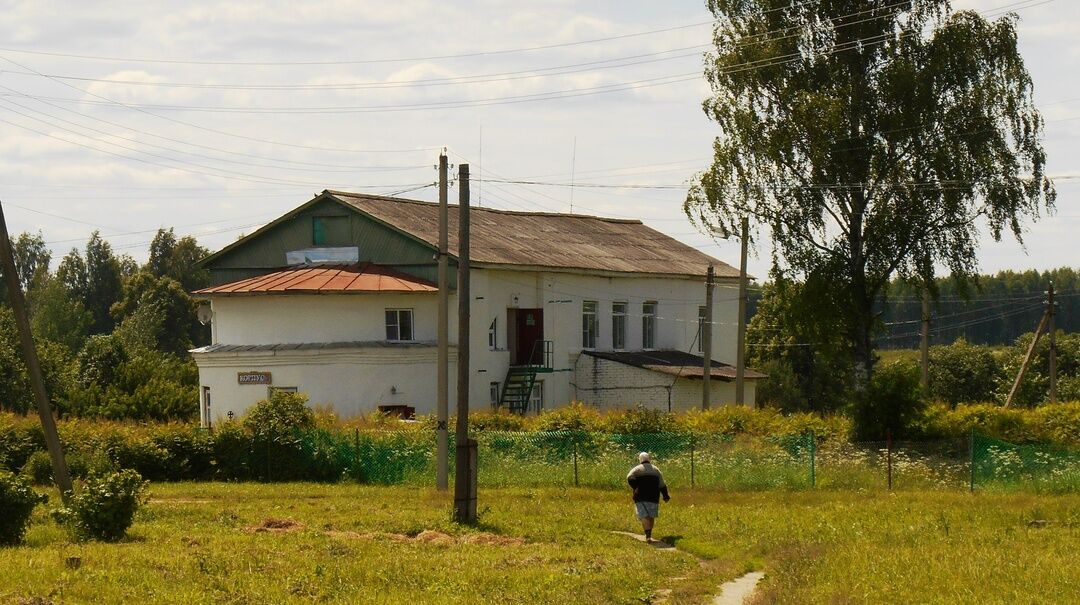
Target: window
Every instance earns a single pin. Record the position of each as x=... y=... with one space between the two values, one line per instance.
x=493 y=342
x=618 y=325
x=493 y=394
x=589 y=326
x=271 y=390
x=536 y=398
x=399 y=324
x=206 y=407
x=700 y=332
x=329 y=230
x=648 y=325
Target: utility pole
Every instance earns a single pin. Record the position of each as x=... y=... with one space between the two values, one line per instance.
x=1051 y=311
x=740 y=345
x=442 y=362
x=22 y=321
x=1027 y=359
x=924 y=343
x=465 y=460
x=706 y=341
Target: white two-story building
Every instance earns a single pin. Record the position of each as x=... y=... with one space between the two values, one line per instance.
x=338 y=299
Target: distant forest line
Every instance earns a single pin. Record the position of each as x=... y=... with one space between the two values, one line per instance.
x=994 y=310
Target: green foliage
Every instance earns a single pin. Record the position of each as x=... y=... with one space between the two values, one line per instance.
x=823 y=146
x=799 y=347
x=58 y=316
x=893 y=404
x=164 y=312
x=15 y=391
x=17 y=500
x=105 y=507
x=95 y=280
x=963 y=372
x=574 y=417
x=280 y=416
x=641 y=419
x=1036 y=385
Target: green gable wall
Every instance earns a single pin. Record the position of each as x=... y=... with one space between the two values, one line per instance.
x=264 y=252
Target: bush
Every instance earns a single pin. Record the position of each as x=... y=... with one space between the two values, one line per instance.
x=892 y=403
x=280 y=416
x=575 y=417
x=17 y=501
x=105 y=506
x=963 y=372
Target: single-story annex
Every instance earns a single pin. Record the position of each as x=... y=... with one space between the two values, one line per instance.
x=338 y=299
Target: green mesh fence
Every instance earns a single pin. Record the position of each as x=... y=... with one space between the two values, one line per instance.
x=898 y=465
x=997 y=464
x=559 y=458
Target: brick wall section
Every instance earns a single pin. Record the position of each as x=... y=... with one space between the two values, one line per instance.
x=609 y=385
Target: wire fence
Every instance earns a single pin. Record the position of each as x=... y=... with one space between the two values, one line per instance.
x=570 y=458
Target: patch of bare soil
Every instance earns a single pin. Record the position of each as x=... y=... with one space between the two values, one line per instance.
x=178 y=501
x=430 y=536
x=275 y=526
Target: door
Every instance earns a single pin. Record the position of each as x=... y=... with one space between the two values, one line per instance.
x=528 y=326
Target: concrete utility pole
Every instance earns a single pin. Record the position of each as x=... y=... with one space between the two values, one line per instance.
x=706 y=341
x=924 y=342
x=465 y=460
x=1027 y=359
x=1051 y=311
x=442 y=471
x=740 y=345
x=22 y=321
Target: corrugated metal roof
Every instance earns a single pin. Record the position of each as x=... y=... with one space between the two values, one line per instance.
x=324 y=279
x=543 y=239
x=676 y=363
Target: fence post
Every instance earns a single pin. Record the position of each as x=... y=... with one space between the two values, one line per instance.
x=888 y=455
x=356 y=452
x=575 y=437
x=813 y=459
x=692 y=442
x=971 y=448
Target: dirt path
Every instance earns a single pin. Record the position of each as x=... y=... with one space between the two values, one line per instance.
x=734 y=592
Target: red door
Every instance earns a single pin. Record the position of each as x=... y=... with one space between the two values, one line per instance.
x=528 y=328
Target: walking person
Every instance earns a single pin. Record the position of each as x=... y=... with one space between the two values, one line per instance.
x=648 y=485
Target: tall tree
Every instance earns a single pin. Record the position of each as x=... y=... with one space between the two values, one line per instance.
x=177 y=259
x=95 y=279
x=872 y=139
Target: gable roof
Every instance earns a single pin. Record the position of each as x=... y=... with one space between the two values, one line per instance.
x=545 y=239
x=675 y=363
x=324 y=279
x=530 y=239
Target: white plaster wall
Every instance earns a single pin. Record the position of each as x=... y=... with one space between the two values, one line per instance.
x=292 y=319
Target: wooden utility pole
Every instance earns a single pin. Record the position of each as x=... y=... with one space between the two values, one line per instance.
x=924 y=343
x=22 y=321
x=1027 y=359
x=465 y=460
x=706 y=341
x=442 y=471
x=1051 y=311
x=740 y=345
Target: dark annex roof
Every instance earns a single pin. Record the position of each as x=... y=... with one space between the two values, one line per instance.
x=676 y=363
x=324 y=279
x=544 y=239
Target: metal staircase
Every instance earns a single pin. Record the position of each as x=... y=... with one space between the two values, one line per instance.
x=520 y=379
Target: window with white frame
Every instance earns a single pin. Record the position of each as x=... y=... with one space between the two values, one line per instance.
x=493 y=335
x=648 y=325
x=271 y=390
x=536 y=398
x=589 y=324
x=700 y=331
x=618 y=325
x=493 y=394
x=399 y=324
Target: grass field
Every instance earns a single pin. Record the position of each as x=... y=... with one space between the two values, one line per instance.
x=312 y=543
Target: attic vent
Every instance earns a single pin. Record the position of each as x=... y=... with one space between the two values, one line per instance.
x=323 y=256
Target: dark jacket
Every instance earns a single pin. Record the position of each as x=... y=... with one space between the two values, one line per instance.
x=647 y=483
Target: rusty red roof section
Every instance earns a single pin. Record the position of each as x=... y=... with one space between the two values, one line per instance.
x=324 y=279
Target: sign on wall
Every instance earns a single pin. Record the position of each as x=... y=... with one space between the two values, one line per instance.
x=253 y=377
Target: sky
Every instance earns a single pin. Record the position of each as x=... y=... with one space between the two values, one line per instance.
x=216 y=117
